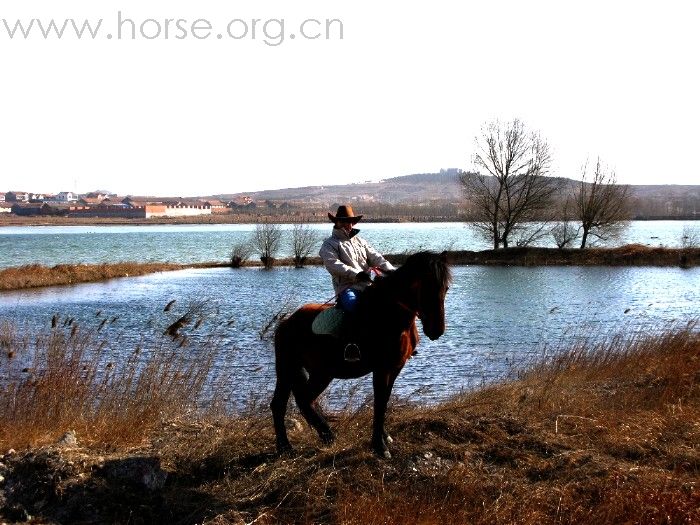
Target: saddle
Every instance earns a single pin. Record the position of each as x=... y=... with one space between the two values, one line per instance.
x=332 y=322
x=329 y=322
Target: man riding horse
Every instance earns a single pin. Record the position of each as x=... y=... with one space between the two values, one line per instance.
x=350 y=259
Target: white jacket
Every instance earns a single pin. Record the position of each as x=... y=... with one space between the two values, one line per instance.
x=345 y=255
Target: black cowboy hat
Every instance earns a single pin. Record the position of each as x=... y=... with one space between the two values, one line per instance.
x=344 y=214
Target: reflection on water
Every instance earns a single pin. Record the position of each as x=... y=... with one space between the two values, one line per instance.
x=498 y=317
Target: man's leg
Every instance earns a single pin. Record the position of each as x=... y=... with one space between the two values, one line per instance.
x=347 y=300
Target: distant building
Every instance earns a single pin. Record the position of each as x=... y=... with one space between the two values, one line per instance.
x=187 y=208
x=66 y=196
x=24 y=209
x=97 y=195
x=240 y=201
x=17 y=196
x=135 y=208
x=119 y=210
x=217 y=206
x=90 y=201
x=37 y=197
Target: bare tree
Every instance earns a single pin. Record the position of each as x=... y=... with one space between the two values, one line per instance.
x=602 y=205
x=564 y=231
x=266 y=240
x=690 y=237
x=510 y=194
x=240 y=252
x=303 y=241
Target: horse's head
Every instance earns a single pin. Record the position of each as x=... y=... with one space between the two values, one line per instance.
x=429 y=277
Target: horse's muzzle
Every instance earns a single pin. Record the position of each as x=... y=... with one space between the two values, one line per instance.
x=433 y=332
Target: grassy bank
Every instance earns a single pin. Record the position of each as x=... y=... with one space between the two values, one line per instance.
x=628 y=255
x=600 y=434
x=33 y=276
x=36 y=275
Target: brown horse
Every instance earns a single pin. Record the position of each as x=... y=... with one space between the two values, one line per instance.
x=384 y=329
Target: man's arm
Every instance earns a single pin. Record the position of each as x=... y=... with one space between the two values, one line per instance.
x=374 y=258
x=333 y=264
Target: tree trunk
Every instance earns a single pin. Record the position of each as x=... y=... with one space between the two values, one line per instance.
x=584 y=237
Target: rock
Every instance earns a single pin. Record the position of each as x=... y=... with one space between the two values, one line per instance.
x=293 y=425
x=430 y=465
x=69 y=439
x=139 y=471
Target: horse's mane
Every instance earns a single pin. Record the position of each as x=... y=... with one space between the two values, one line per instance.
x=424 y=265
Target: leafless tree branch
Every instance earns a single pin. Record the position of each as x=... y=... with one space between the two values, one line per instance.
x=510 y=190
x=602 y=205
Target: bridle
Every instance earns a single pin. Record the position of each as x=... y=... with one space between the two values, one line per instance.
x=413 y=310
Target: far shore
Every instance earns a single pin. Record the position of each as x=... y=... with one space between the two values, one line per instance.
x=36 y=275
x=255 y=218
x=305 y=216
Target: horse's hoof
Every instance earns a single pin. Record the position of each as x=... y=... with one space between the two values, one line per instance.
x=284 y=449
x=388 y=439
x=382 y=452
x=327 y=438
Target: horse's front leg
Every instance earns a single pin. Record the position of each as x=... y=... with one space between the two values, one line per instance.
x=279 y=409
x=383 y=381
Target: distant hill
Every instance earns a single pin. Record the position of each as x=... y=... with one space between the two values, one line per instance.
x=444 y=187
x=408 y=189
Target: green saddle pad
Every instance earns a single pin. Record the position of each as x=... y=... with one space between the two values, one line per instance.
x=328 y=322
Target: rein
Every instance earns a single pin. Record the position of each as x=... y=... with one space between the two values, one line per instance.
x=413 y=311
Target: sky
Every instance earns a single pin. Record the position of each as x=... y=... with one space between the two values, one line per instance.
x=157 y=104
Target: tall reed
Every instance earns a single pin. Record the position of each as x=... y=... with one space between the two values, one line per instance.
x=70 y=378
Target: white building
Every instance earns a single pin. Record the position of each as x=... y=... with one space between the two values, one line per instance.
x=187 y=208
x=66 y=196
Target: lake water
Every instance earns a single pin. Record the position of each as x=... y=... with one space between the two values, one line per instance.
x=52 y=245
x=498 y=317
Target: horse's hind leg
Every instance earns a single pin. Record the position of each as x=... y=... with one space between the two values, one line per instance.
x=305 y=392
x=279 y=408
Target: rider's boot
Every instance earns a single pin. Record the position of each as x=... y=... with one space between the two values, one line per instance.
x=348 y=335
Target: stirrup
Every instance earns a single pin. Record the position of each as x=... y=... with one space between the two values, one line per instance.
x=351 y=354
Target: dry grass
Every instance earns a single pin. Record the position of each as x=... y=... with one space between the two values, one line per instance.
x=36 y=275
x=66 y=379
x=628 y=255
x=605 y=434
x=600 y=434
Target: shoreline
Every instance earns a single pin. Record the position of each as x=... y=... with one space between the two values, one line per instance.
x=204 y=219
x=14 y=220
x=37 y=276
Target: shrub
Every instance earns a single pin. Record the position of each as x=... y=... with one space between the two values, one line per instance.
x=240 y=253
